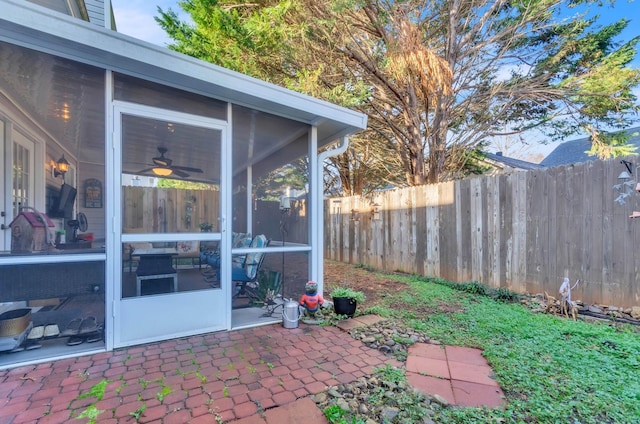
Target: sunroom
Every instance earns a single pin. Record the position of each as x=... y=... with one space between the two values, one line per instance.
x=142 y=190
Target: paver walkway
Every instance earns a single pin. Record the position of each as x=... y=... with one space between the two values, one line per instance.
x=225 y=376
x=252 y=376
x=460 y=375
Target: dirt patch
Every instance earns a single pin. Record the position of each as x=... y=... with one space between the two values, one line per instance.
x=374 y=286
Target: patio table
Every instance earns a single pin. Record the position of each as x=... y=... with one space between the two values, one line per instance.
x=155 y=264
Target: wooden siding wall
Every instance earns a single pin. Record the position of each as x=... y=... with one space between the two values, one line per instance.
x=95 y=9
x=524 y=231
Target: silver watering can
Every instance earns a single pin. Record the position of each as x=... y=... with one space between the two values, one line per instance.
x=290 y=314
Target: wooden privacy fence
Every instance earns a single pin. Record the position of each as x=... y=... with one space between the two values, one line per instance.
x=169 y=210
x=524 y=231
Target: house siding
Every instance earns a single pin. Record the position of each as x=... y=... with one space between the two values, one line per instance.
x=95 y=9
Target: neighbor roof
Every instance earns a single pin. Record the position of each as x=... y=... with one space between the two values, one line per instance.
x=575 y=151
x=511 y=162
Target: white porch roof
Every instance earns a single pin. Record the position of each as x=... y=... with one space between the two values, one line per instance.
x=26 y=24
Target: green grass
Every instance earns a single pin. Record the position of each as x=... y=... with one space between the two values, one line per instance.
x=551 y=369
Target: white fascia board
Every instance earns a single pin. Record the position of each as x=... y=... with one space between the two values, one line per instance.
x=30 y=25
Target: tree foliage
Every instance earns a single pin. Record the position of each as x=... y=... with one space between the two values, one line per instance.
x=437 y=78
x=185 y=185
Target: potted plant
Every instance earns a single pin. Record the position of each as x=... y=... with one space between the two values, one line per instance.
x=205 y=227
x=345 y=300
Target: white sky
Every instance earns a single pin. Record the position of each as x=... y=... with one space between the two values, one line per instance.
x=135 y=18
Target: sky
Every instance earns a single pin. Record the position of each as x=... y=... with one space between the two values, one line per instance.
x=135 y=18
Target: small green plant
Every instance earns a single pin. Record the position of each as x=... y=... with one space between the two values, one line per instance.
x=138 y=412
x=205 y=227
x=165 y=391
x=336 y=415
x=143 y=383
x=203 y=378
x=225 y=391
x=269 y=285
x=365 y=267
x=251 y=369
x=122 y=386
x=505 y=295
x=403 y=340
x=349 y=293
x=97 y=390
x=270 y=365
x=390 y=374
x=91 y=413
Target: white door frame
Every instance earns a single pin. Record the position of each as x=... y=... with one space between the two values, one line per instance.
x=147 y=319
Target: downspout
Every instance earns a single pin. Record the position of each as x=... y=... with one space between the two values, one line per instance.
x=319 y=202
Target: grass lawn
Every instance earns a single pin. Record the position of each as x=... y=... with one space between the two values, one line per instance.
x=552 y=370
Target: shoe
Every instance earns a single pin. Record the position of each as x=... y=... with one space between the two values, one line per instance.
x=75 y=340
x=88 y=325
x=73 y=327
x=36 y=333
x=51 y=330
x=94 y=337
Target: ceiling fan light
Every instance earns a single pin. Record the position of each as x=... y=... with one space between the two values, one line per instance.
x=162 y=172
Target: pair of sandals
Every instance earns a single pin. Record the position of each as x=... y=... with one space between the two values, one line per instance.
x=80 y=330
x=40 y=332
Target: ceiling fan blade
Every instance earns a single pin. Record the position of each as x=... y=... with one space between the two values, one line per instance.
x=144 y=171
x=162 y=161
x=179 y=173
x=187 y=168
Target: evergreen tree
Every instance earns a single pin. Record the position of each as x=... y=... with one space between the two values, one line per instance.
x=437 y=78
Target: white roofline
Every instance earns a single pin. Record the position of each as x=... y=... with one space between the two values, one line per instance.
x=27 y=24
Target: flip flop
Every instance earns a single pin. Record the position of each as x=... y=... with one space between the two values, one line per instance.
x=36 y=333
x=89 y=325
x=75 y=340
x=92 y=338
x=73 y=327
x=51 y=330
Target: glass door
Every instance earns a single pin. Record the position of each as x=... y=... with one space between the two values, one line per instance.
x=17 y=155
x=170 y=217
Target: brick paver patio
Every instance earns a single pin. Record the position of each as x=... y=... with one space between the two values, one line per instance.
x=225 y=376
x=251 y=376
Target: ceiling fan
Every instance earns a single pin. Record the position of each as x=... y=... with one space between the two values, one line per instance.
x=162 y=166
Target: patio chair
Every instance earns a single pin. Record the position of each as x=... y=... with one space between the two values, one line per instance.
x=247 y=272
x=212 y=257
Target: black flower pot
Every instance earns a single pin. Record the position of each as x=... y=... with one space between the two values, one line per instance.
x=344 y=306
